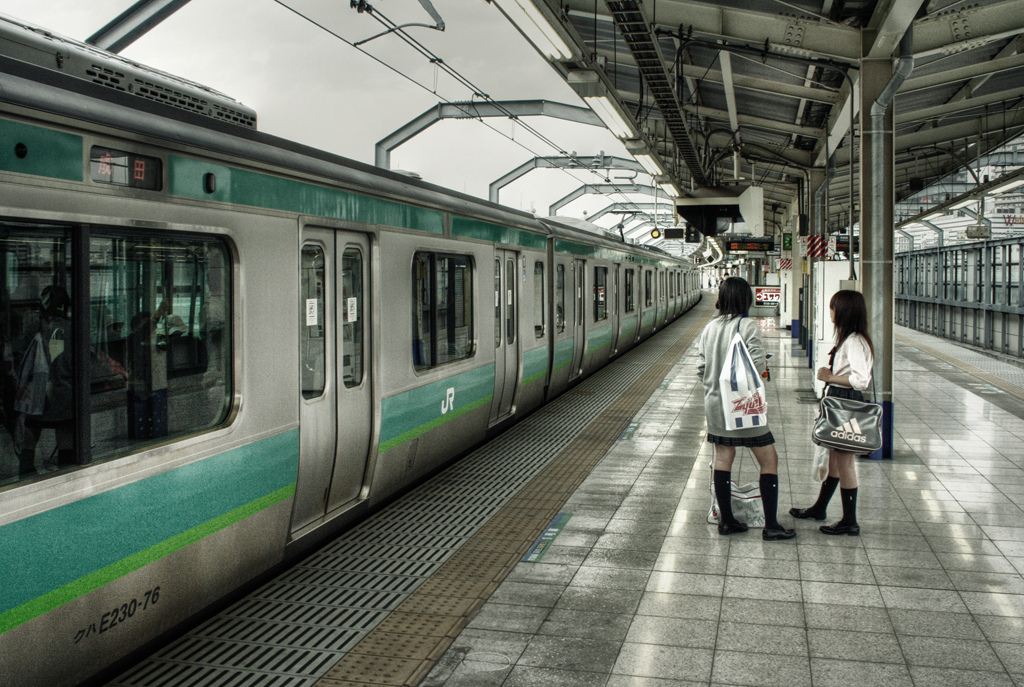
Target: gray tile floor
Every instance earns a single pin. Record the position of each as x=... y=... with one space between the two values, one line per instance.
x=638 y=591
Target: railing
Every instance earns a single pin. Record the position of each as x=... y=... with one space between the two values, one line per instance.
x=969 y=293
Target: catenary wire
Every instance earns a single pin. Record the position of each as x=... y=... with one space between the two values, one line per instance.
x=461 y=80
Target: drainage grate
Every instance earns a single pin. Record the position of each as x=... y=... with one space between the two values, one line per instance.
x=159 y=674
x=281 y=634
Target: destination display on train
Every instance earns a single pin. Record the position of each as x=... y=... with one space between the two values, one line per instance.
x=120 y=168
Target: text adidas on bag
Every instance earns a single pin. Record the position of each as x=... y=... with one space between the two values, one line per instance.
x=850 y=431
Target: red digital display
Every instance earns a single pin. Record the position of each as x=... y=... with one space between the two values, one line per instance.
x=120 y=168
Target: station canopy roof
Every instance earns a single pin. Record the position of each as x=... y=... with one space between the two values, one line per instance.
x=701 y=89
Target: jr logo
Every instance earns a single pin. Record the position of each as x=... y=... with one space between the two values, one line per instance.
x=449 y=402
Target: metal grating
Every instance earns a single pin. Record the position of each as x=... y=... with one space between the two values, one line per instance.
x=300 y=625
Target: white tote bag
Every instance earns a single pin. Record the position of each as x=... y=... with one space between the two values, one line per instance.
x=741 y=388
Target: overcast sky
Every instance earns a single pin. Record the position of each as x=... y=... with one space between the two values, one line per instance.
x=310 y=87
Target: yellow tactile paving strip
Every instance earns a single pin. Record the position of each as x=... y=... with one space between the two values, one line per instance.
x=403 y=648
x=976 y=372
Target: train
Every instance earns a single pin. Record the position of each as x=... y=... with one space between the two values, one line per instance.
x=221 y=348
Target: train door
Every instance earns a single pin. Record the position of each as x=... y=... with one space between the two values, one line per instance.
x=334 y=339
x=579 y=319
x=613 y=308
x=638 y=300
x=506 y=333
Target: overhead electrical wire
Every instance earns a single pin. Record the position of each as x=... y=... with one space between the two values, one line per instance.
x=440 y=63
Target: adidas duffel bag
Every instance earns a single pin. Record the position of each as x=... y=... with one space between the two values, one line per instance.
x=848 y=425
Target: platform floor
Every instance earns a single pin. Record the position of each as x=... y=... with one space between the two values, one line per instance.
x=636 y=589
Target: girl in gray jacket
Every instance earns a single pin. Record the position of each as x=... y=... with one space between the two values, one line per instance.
x=734 y=301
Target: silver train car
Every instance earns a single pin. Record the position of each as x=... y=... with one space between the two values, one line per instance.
x=220 y=348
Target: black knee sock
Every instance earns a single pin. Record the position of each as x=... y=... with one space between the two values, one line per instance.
x=723 y=494
x=849 y=497
x=770 y=500
x=828 y=487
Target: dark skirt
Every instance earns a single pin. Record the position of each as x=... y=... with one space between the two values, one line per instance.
x=765 y=439
x=843 y=392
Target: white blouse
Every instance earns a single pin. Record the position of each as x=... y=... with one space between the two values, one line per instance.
x=854 y=359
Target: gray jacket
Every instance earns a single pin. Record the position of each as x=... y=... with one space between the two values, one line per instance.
x=712 y=347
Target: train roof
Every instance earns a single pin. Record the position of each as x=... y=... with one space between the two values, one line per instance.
x=51 y=50
x=45 y=88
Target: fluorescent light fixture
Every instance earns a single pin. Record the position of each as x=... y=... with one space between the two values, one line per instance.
x=605 y=110
x=1006 y=187
x=538 y=30
x=669 y=188
x=934 y=215
x=649 y=163
x=964 y=203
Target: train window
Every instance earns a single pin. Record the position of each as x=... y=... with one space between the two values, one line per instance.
x=510 y=294
x=600 y=293
x=442 y=309
x=352 y=317
x=538 y=299
x=312 y=342
x=169 y=373
x=497 y=303
x=560 y=298
x=37 y=369
x=156 y=339
x=671 y=286
x=630 y=279
x=648 y=289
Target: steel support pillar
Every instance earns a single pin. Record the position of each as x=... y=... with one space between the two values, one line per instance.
x=877 y=235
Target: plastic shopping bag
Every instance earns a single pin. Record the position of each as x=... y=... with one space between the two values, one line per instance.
x=741 y=388
x=819 y=468
x=746 y=503
x=33 y=377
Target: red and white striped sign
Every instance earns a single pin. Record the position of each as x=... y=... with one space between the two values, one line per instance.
x=816 y=246
x=785 y=263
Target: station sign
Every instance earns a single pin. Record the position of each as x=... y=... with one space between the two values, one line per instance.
x=842 y=243
x=767 y=295
x=760 y=244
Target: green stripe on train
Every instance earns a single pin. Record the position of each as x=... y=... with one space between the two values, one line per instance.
x=628 y=326
x=69 y=592
x=243 y=187
x=535 y=364
x=57 y=556
x=563 y=353
x=417 y=411
x=477 y=229
x=599 y=338
x=48 y=153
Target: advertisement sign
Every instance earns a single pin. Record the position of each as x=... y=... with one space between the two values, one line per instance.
x=767 y=295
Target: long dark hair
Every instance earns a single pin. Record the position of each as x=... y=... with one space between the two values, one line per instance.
x=851 y=316
x=734 y=297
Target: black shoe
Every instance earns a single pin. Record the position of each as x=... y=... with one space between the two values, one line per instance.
x=840 y=528
x=805 y=513
x=734 y=527
x=777 y=534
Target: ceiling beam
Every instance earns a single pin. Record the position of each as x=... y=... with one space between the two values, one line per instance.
x=134 y=23
x=955 y=106
x=948 y=76
x=948 y=33
x=757 y=122
x=805 y=36
x=725 y=59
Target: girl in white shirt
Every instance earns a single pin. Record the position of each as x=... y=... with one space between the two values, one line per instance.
x=848 y=374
